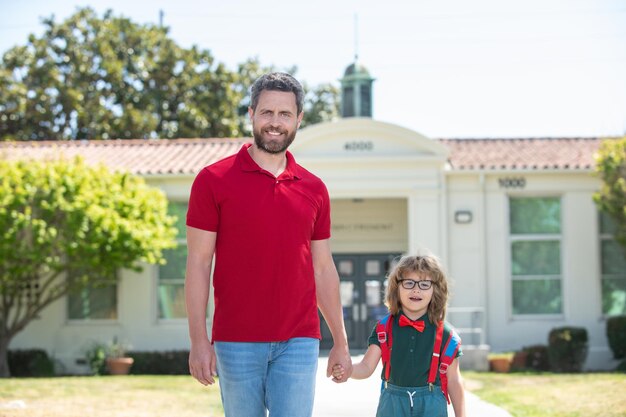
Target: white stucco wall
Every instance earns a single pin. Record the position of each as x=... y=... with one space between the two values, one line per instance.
x=400 y=178
x=479 y=255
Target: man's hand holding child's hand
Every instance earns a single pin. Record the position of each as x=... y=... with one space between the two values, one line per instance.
x=338 y=372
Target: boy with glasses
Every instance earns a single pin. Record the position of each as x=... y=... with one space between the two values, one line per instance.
x=422 y=368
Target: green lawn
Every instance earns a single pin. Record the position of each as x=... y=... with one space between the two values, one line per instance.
x=553 y=395
x=522 y=394
x=109 y=396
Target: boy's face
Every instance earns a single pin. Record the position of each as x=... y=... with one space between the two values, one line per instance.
x=415 y=301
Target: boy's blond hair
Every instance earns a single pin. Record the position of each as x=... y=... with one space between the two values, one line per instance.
x=424 y=266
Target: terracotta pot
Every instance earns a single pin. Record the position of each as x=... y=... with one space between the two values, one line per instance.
x=500 y=364
x=119 y=366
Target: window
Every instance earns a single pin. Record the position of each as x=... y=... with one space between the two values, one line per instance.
x=347 y=102
x=95 y=303
x=171 y=280
x=613 y=269
x=535 y=227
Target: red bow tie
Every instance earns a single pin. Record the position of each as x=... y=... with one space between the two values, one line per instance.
x=417 y=324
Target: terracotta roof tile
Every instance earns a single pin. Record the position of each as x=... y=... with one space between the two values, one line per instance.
x=188 y=156
x=144 y=157
x=522 y=154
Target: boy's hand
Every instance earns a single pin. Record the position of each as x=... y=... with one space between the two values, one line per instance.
x=338 y=372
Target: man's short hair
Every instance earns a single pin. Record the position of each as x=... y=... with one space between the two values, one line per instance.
x=277 y=81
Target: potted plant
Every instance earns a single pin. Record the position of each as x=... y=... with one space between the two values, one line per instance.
x=500 y=362
x=117 y=363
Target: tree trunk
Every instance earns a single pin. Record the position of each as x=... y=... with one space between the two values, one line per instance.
x=4 y=357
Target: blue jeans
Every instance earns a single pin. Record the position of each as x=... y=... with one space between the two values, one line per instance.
x=278 y=377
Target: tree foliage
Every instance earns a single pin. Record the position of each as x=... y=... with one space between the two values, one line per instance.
x=99 y=78
x=66 y=226
x=321 y=104
x=611 y=199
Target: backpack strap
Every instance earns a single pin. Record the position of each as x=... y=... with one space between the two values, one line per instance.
x=383 y=330
x=440 y=360
x=434 y=361
x=448 y=354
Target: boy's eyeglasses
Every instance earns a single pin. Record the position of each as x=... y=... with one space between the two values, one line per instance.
x=409 y=284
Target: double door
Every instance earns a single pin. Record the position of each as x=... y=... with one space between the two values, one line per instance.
x=362 y=289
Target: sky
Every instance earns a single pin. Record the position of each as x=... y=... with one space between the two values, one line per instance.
x=443 y=68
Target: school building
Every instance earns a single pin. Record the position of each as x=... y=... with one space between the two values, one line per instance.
x=512 y=220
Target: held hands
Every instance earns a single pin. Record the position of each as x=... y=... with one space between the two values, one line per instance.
x=339 y=355
x=202 y=363
x=338 y=373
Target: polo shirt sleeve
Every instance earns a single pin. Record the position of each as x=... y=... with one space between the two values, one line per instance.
x=203 y=211
x=373 y=339
x=321 y=229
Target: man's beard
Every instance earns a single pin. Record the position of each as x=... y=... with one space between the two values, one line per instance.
x=273 y=146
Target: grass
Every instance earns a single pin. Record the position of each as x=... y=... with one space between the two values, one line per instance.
x=552 y=395
x=522 y=394
x=109 y=396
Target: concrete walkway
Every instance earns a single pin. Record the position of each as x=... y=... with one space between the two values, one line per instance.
x=359 y=398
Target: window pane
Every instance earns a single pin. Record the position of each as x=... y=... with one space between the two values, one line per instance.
x=345 y=267
x=172 y=301
x=537 y=296
x=607 y=225
x=535 y=215
x=373 y=267
x=346 y=291
x=176 y=263
x=614 y=296
x=93 y=304
x=171 y=295
x=613 y=259
x=538 y=257
x=179 y=210
x=373 y=293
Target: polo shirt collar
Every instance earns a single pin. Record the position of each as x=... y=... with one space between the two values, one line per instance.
x=247 y=164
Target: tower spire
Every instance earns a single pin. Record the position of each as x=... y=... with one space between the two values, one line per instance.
x=356 y=37
x=356 y=84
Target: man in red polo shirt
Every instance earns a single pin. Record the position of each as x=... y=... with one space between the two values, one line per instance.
x=267 y=221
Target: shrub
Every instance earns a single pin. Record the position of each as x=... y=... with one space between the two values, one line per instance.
x=537 y=357
x=30 y=362
x=175 y=362
x=518 y=363
x=96 y=358
x=616 y=333
x=567 y=349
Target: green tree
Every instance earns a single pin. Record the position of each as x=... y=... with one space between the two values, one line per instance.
x=100 y=78
x=611 y=199
x=321 y=104
x=66 y=226
x=92 y=77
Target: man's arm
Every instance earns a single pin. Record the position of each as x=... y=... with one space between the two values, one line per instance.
x=200 y=250
x=329 y=303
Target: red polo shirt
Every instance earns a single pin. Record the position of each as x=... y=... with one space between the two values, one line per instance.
x=263 y=278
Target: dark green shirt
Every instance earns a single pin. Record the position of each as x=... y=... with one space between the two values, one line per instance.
x=411 y=352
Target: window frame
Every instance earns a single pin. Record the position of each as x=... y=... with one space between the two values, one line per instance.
x=91 y=321
x=604 y=236
x=181 y=241
x=535 y=237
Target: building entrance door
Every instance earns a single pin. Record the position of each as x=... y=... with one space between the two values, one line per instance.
x=362 y=288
